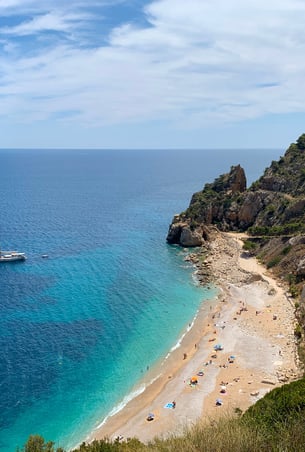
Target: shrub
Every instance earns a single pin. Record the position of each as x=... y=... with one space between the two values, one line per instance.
x=275 y=261
x=301 y=142
x=279 y=406
x=294 y=291
x=286 y=250
x=249 y=246
x=298 y=332
x=259 y=230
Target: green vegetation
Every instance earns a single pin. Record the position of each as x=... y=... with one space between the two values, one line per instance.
x=193 y=225
x=301 y=142
x=280 y=407
x=293 y=285
x=277 y=421
x=275 y=261
x=249 y=245
x=286 y=250
x=277 y=230
x=36 y=443
x=295 y=291
x=302 y=175
x=274 y=423
x=298 y=332
x=278 y=198
x=270 y=209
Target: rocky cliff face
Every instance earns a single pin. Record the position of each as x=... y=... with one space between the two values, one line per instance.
x=216 y=201
x=273 y=205
x=271 y=211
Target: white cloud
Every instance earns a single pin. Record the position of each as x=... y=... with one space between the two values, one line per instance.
x=198 y=62
x=46 y=22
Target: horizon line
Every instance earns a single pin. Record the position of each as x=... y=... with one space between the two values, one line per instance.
x=134 y=149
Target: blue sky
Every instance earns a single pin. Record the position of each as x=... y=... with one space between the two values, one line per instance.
x=152 y=74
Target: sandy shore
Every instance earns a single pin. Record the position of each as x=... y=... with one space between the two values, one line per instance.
x=253 y=320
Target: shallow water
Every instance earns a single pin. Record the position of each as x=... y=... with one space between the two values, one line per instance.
x=80 y=328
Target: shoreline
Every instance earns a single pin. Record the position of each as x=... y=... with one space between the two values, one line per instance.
x=164 y=364
x=160 y=374
x=252 y=318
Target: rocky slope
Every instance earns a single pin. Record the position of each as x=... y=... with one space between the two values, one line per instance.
x=271 y=212
x=274 y=205
x=272 y=208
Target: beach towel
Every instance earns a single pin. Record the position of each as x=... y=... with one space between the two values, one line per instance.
x=169 y=405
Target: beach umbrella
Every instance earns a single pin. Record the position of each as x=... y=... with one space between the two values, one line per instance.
x=231 y=359
x=218 y=347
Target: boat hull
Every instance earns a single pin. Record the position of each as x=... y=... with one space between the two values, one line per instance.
x=12 y=257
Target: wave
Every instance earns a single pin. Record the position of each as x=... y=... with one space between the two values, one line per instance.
x=132 y=395
x=178 y=343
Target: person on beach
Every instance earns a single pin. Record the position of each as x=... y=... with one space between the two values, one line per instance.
x=174 y=404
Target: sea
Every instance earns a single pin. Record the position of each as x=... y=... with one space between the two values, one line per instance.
x=80 y=328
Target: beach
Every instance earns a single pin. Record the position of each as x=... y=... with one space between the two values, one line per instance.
x=240 y=346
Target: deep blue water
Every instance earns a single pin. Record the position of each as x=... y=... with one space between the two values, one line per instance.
x=79 y=328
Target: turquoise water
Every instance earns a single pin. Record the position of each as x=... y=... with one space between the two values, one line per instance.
x=79 y=329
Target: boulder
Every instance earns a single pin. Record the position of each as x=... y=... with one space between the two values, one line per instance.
x=297 y=240
x=174 y=233
x=189 y=238
x=301 y=268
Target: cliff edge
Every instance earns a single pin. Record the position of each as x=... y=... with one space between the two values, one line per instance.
x=271 y=212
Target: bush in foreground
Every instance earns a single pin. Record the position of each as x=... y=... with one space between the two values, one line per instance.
x=274 y=423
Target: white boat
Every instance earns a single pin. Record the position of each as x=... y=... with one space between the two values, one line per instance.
x=10 y=256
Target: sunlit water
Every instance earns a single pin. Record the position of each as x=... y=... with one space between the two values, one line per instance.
x=79 y=328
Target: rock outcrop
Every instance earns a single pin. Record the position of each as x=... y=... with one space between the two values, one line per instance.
x=180 y=233
x=271 y=212
x=273 y=205
x=207 y=208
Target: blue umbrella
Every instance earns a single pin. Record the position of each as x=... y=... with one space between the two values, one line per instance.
x=218 y=347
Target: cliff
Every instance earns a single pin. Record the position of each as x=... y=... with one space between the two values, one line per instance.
x=271 y=211
x=274 y=206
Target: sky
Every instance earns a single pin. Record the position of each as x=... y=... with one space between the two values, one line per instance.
x=151 y=74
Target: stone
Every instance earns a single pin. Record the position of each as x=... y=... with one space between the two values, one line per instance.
x=189 y=238
x=301 y=267
x=268 y=382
